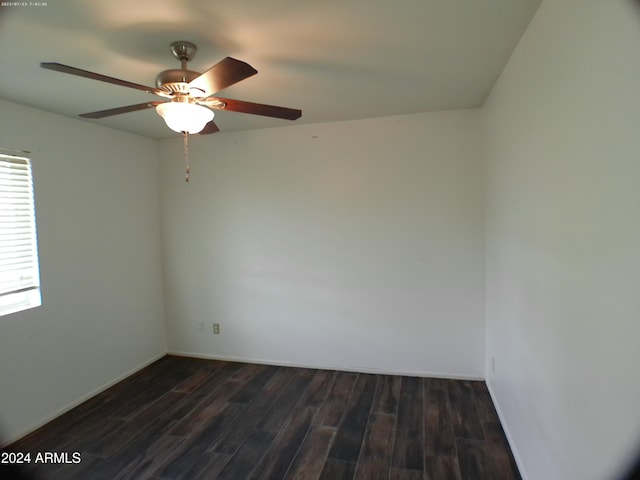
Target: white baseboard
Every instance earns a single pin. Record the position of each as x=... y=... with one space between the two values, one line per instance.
x=507 y=432
x=83 y=398
x=344 y=368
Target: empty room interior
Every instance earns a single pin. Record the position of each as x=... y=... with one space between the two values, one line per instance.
x=453 y=216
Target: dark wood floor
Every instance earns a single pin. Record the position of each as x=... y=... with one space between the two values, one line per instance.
x=183 y=418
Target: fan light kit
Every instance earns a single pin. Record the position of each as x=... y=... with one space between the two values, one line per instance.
x=185 y=117
x=190 y=95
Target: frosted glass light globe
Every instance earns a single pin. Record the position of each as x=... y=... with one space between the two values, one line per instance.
x=184 y=117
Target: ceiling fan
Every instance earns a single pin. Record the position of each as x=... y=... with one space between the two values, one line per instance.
x=189 y=95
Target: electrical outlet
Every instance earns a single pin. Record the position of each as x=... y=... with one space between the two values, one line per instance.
x=200 y=325
x=216 y=328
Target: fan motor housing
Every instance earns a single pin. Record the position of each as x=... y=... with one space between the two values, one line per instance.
x=175 y=80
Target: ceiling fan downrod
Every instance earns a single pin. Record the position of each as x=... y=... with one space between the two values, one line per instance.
x=183 y=51
x=175 y=81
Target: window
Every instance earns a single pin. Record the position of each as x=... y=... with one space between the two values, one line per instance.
x=19 y=272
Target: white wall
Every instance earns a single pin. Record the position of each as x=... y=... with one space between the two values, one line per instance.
x=352 y=245
x=563 y=269
x=101 y=317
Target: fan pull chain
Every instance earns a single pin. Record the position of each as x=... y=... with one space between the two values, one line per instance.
x=187 y=169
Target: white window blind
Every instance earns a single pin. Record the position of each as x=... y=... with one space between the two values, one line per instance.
x=19 y=272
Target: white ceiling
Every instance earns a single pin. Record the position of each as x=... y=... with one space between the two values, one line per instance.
x=334 y=59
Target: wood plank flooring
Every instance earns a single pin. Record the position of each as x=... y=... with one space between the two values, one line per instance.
x=184 y=418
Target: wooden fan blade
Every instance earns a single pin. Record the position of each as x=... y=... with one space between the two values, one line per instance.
x=119 y=110
x=210 y=127
x=254 y=108
x=58 y=67
x=222 y=75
